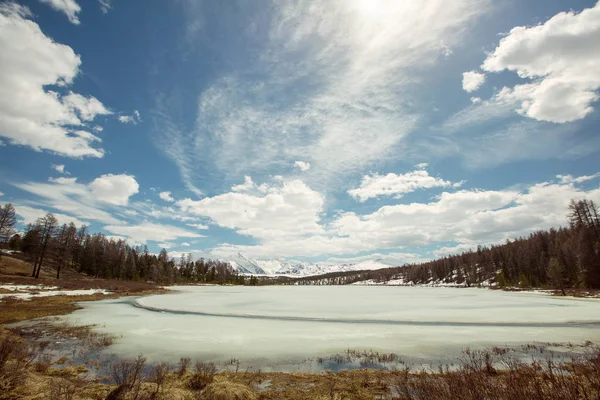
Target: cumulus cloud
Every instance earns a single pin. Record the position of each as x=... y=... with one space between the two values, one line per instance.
x=68 y=7
x=452 y=250
x=114 y=189
x=375 y=185
x=60 y=168
x=31 y=114
x=578 y=179
x=560 y=58
x=1 y=194
x=289 y=209
x=198 y=226
x=393 y=259
x=86 y=201
x=472 y=81
x=87 y=107
x=30 y=214
x=302 y=165
x=166 y=196
x=476 y=100
x=148 y=231
x=243 y=187
x=467 y=218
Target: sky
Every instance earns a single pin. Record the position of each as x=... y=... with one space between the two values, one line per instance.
x=337 y=131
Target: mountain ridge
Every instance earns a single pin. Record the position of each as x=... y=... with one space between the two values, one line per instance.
x=273 y=267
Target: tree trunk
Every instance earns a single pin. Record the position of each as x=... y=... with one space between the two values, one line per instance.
x=39 y=268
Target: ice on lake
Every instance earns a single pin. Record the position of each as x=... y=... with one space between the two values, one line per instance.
x=282 y=325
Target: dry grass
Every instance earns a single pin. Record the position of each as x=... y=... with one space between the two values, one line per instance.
x=227 y=390
x=16 y=271
x=14 y=310
x=475 y=379
x=13 y=266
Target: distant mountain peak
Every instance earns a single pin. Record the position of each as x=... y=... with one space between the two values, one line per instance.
x=246 y=265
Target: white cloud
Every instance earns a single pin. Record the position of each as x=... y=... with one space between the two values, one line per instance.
x=86 y=201
x=472 y=81
x=422 y=165
x=560 y=59
x=330 y=75
x=465 y=217
x=148 y=231
x=476 y=100
x=30 y=114
x=114 y=189
x=375 y=185
x=392 y=259
x=166 y=196
x=60 y=168
x=578 y=179
x=453 y=250
x=287 y=210
x=105 y=6
x=1 y=194
x=185 y=244
x=244 y=187
x=198 y=226
x=30 y=214
x=69 y=7
x=134 y=118
x=302 y=165
x=87 y=107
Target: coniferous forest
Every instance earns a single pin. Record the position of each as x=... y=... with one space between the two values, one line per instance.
x=567 y=257
x=45 y=243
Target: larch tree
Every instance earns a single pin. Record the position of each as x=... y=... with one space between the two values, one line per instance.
x=556 y=275
x=46 y=225
x=8 y=220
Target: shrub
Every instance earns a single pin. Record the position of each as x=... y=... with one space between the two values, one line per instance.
x=203 y=375
x=15 y=356
x=184 y=364
x=127 y=374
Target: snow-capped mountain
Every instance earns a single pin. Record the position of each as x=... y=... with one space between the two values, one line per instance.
x=247 y=265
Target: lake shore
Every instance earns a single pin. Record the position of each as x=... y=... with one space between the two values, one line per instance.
x=71 y=375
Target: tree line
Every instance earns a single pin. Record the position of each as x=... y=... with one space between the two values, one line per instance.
x=46 y=243
x=567 y=257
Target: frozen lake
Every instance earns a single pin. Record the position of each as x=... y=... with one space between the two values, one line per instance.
x=278 y=327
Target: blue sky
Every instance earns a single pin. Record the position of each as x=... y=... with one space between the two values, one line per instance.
x=311 y=130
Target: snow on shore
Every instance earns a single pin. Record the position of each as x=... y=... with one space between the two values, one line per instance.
x=27 y=292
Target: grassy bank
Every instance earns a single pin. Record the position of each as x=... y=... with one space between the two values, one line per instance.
x=29 y=373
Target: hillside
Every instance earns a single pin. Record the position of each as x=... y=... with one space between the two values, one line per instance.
x=558 y=258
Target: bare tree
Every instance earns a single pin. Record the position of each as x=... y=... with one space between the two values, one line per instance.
x=556 y=275
x=8 y=221
x=65 y=241
x=47 y=225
